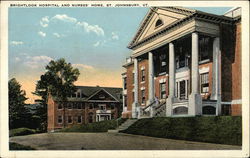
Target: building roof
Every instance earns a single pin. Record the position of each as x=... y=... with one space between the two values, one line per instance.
x=190 y=14
x=88 y=91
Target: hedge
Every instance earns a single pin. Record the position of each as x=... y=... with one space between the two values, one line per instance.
x=102 y=126
x=16 y=146
x=21 y=131
x=213 y=129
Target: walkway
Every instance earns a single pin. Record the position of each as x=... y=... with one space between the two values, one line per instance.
x=111 y=141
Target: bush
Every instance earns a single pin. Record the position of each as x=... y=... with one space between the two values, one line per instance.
x=15 y=146
x=213 y=129
x=21 y=131
x=102 y=126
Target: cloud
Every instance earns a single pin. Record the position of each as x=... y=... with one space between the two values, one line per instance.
x=16 y=42
x=57 y=35
x=96 y=44
x=44 y=21
x=83 y=66
x=91 y=28
x=64 y=17
x=42 y=34
x=114 y=36
x=37 y=61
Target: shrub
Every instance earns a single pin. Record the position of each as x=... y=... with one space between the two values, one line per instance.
x=15 y=146
x=213 y=129
x=21 y=131
x=102 y=126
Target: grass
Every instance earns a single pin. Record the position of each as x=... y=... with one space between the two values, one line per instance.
x=16 y=146
x=21 y=131
x=213 y=129
x=102 y=126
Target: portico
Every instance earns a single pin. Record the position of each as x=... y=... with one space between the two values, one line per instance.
x=183 y=57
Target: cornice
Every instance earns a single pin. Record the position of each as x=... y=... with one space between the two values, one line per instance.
x=197 y=15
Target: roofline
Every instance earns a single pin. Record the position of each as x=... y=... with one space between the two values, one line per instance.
x=99 y=91
x=196 y=15
x=97 y=87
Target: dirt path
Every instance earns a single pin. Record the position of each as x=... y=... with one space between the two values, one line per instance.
x=111 y=141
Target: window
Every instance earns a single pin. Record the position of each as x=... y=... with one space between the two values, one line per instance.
x=133 y=78
x=125 y=82
x=162 y=90
x=143 y=99
x=158 y=23
x=102 y=106
x=163 y=62
x=133 y=96
x=101 y=96
x=142 y=75
x=70 y=105
x=125 y=101
x=70 y=119
x=176 y=90
x=91 y=106
x=60 y=119
x=204 y=79
x=205 y=47
x=74 y=105
x=60 y=106
x=112 y=106
x=78 y=94
x=79 y=106
x=79 y=119
x=74 y=95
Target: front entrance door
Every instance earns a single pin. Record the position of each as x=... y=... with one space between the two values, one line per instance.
x=182 y=89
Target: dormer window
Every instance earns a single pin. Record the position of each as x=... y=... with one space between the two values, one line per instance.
x=101 y=96
x=158 y=23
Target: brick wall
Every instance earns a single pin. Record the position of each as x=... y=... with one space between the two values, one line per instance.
x=231 y=65
x=130 y=88
x=54 y=112
x=143 y=63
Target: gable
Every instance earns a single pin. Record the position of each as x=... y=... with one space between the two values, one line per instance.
x=102 y=95
x=168 y=16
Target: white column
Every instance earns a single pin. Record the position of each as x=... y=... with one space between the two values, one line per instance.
x=151 y=90
x=195 y=100
x=216 y=75
x=171 y=80
x=195 y=63
x=135 y=104
x=150 y=77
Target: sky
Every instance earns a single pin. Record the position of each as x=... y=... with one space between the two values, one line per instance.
x=94 y=40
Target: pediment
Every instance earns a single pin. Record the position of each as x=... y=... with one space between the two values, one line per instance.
x=102 y=95
x=167 y=16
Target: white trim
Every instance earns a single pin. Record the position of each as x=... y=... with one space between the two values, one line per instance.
x=125 y=92
x=204 y=70
x=162 y=80
x=104 y=91
x=143 y=68
x=238 y=101
x=142 y=88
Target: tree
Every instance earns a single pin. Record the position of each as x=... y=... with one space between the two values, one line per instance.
x=18 y=114
x=58 y=80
